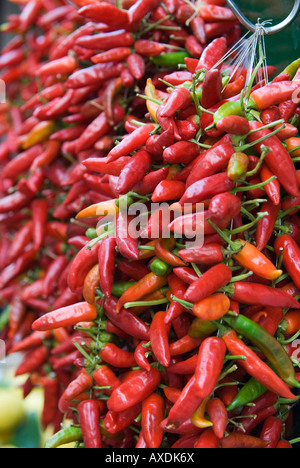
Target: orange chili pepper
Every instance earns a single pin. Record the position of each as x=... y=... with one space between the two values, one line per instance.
x=147 y=285
x=213 y=307
x=150 y=91
x=39 y=134
x=92 y=280
x=162 y=251
x=293 y=143
x=106 y=208
x=252 y=259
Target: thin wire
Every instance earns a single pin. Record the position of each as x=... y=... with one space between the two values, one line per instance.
x=247 y=53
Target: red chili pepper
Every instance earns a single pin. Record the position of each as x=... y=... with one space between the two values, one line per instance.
x=51 y=400
x=66 y=316
x=101 y=165
x=242 y=441
x=126 y=320
x=159 y=337
x=134 y=390
x=179 y=99
x=212 y=54
x=92 y=75
x=131 y=143
x=291 y=256
x=140 y=355
x=212 y=89
x=150 y=181
x=17 y=314
x=209 y=283
x=21 y=163
x=186 y=274
x=209 y=366
x=152 y=416
x=278 y=160
x=140 y=9
x=83 y=262
x=234 y=88
x=184 y=345
x=168 y=190
x=126 y=244
x=208 y=255
x=224 y=208
x=273 y=94
x=265 y=226
x=234 y=125
x=107 y=257
x=114 y=55
x=184 y=407
x=134 y=171
x=19 y=266
x=105 y=377
x=156 y=144
x=262 y=295
x=182 y=152
x=115 y=422
x=272 y=188
x=21 y=240
x=249 y=424
x=113 y=355
x=81 y=384
x=207 y=188
x=255 y=367
x=271 y=431
x=32 y=361
x=113 y=16
x=218 y=415
x=89 y=418
x=211 y=162
x=208 y=440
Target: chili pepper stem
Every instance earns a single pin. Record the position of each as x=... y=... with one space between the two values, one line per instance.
x=244 y=148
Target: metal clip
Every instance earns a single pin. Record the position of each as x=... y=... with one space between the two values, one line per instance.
x=270 y=29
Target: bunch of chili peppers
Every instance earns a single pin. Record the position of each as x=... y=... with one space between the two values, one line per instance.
x=147 y=341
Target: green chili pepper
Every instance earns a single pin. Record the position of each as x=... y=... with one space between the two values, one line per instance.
x=160 y=268
x=170 y=60
x=120 y=287
x=65 y=436
x=91 y=233
x=228 y=109
x=4 y=318
x=271 y=347
x=292 y=68
x=250 y=392
x=200 y=328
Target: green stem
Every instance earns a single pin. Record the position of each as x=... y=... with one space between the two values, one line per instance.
x=246 y=227
x=266 y=151
x=187 y=305
x=253 y=187
x=294 y=149
x=128 y=305
x=287 y=212
x=242 y=149
x=290 y=340
x=147 y=98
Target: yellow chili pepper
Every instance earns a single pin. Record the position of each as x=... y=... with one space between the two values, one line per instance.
x=39 y=134
x=106 y=208
x=198 y=418
x=150 y=91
